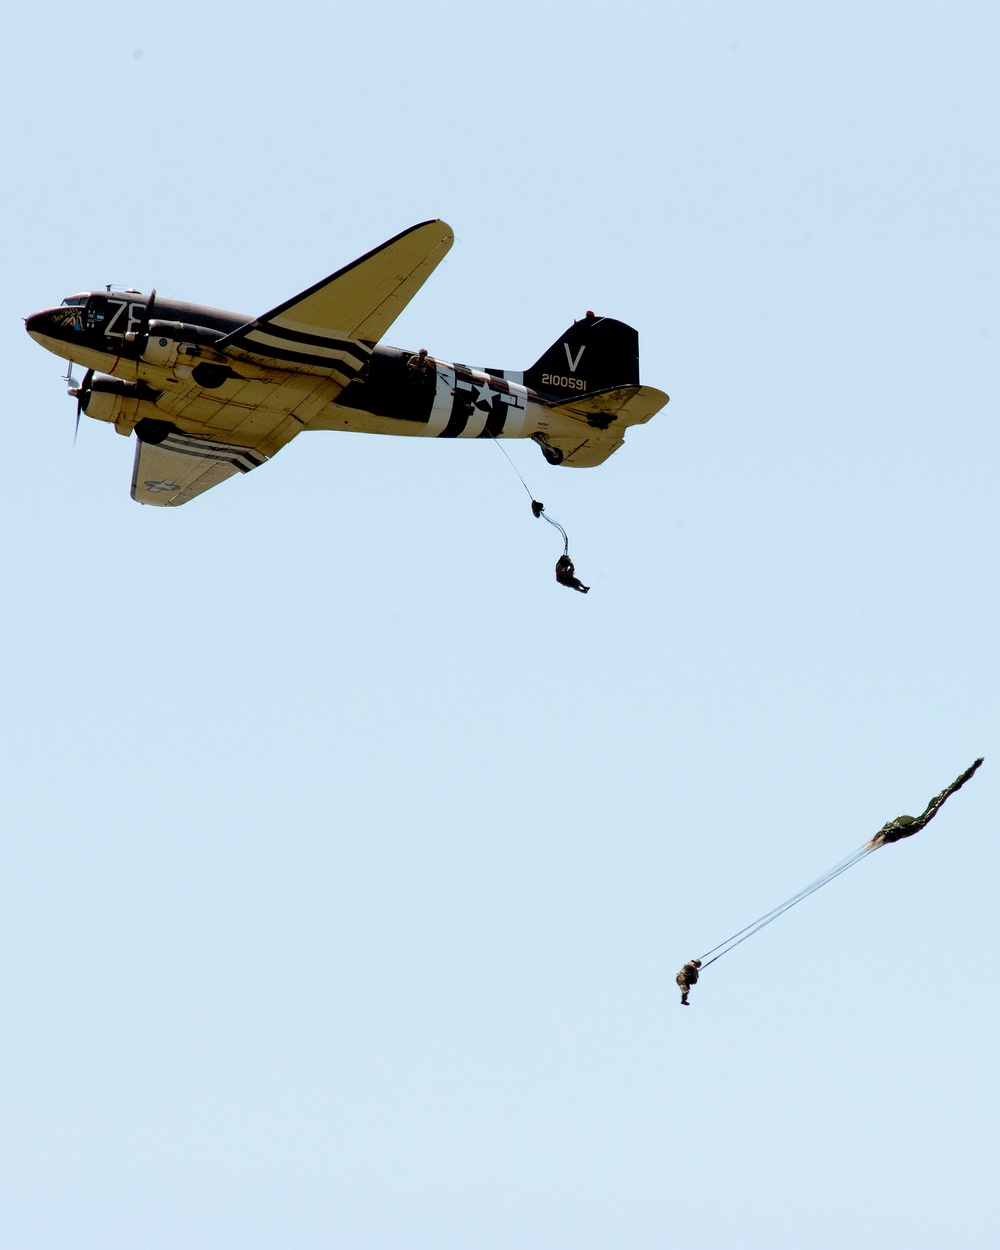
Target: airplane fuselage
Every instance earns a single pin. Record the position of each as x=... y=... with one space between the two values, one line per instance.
x=211 y=393
x=392 y=392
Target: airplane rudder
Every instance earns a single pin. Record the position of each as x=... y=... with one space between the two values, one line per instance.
x=593 y=355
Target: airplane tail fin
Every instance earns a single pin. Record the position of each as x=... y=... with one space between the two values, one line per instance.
x=594 y=354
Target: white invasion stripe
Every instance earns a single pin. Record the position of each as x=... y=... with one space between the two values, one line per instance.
x=320 y=354
x=243 y=458
x=515 y=402
x=323 y=332
x=516 y=412
x=191 y=443
x=440 y=413
x=475 y=424
x=478 y=417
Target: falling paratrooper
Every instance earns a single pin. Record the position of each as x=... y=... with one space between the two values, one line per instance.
x=891 y=831
x=565 y=568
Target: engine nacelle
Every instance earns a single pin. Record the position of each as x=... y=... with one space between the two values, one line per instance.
x=166 y=341
x=118 y=402
x=162 y=348
x=106 y=397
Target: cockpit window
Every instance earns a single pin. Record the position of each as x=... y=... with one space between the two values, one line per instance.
x=74 y=301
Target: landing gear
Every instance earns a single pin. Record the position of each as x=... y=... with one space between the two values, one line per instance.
x=552 y=454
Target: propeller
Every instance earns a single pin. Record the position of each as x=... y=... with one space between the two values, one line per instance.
x=81 y=393
x=140 y=336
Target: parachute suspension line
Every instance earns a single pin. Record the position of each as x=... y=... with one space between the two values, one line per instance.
x=512 y=465
x=763 y=921
x=536 y=507
x=545 y=517
x=780 y=911
x=814 y=885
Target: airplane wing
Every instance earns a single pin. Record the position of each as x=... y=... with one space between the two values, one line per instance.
x=235 y=433
x=169 y=472
x=283 y=368
x=333 y=325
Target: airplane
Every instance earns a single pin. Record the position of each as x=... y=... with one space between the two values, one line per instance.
x=210 y=393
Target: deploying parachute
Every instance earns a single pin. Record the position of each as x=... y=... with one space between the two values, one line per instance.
x=907 y=826
x=891 y=831
x=565 y=568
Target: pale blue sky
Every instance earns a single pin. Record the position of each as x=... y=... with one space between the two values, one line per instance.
x=347 y=860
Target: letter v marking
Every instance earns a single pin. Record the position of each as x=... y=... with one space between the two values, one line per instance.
x=573 y=363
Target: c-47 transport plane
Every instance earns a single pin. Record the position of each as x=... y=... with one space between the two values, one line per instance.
x=210 y=393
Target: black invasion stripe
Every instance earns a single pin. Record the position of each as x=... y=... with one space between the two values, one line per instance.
x=235 y=461
x=462 y=409
x=210 y=451
x=316 y=340
x=277 y=353
x=207 y=452
x=495 y=421
x=187 y=442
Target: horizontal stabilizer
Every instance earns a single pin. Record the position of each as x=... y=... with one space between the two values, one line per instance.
x=622 y=405
x=583 y=452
